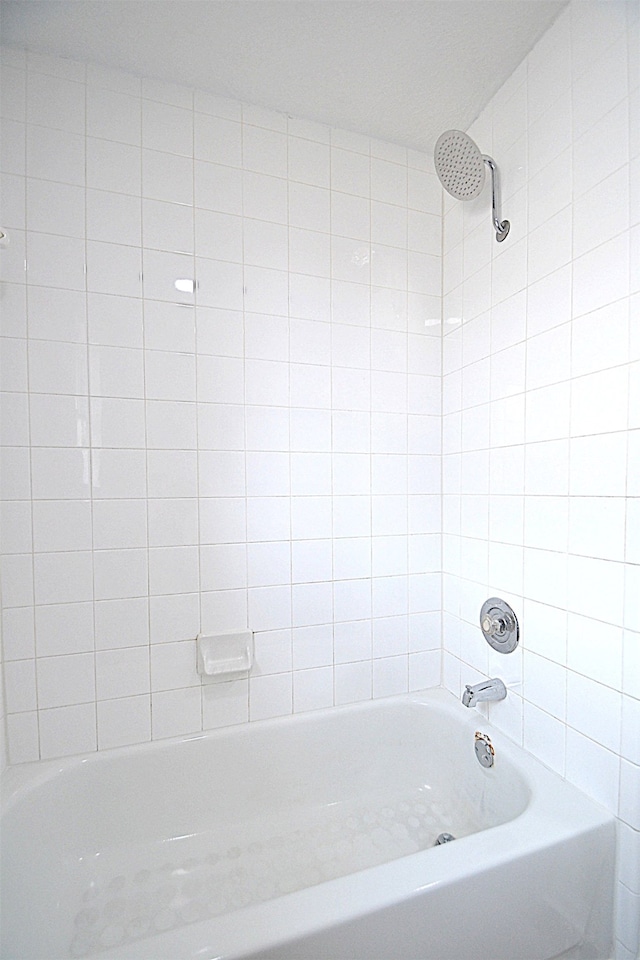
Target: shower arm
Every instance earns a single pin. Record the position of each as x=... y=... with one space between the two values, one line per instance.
x=501 y=227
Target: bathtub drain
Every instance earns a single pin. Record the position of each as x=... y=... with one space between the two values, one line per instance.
x=443 y=838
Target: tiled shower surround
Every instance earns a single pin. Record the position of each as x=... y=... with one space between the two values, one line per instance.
x=262 y=452
x=271 y=450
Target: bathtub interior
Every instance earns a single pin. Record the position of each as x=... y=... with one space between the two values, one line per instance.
x=109 y=849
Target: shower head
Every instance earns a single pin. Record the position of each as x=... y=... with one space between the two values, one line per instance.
x=459 y=165
x=461 y=170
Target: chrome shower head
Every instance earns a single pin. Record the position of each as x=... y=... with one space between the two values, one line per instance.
x=461 y=170
x=459 y=165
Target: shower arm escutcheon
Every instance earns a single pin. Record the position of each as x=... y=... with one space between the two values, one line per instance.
x=501 y=227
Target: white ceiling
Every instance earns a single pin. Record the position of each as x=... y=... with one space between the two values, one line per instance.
x=399 y=70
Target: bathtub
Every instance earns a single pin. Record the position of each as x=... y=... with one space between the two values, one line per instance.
x=307 y=838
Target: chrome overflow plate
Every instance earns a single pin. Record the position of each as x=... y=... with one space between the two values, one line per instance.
x=499 y=625
x=484 y=750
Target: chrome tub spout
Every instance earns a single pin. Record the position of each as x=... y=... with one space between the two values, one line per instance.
x=485 y=690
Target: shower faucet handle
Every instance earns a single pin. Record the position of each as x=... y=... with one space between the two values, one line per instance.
x=496 y=626
x=499 y=625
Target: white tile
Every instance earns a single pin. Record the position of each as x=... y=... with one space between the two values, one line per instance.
x=56 y=314
x=600 y=339
x=122 y=673
x=63 y=681
x=64 y=629
x=352 y=682
x=264 y=151
x=54 y=208
x=589 y=412
x=119 y=473
x=173 y=570
x=310 y=430
x=14 y=419
x=113 y=217
x=220 y=284
x=545 y=576
x=266 y=244
x=18 y=633
x=118 y=524
x=173 y=665
x=390 y=676
x=311 y=561
x=269 y=608
x=172 y=473
x=598 y=465
x=121 y=623
x=167 y=177
x=114 y=321
x=176 y=712
x=60 y=473
x=594 y=710
x=169 y=326
x=218 y=138
x=267 y=474
x=221 y=474
x=218 y=187
x=59 y=368
x=218 y=235
x=22 y=736
x=601 y=276
x=124 y=721
x=116 y=372
x=161 y=270
x=167 y=127
x=175 y=617
x=544 y=736
x=167 y=226
x=112 y=115
x=309 y=161
x=119 y=574
x=219 y=332
x=65 y=731
x=597 y=527
x=221 y=426
x=312 y=689
x=586 y=575
x=270 y=696
x=629 y=809
x=594 y=649
x=61 y=525
x=312 y=646
x=545 y=685
x=55 y=261
x=20 y=686
x=171 y=376
x=113 y=166
x=601 y=88
x=225 y=704
x=546 y=522
x=54 y=155
x=116 y=423
x=113 y=268
x=310 y=517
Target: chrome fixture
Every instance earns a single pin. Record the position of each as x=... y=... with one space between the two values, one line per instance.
x=499 y=625
x=461 y=170
x=443 y=838
x=485 y=690
x=484 y=750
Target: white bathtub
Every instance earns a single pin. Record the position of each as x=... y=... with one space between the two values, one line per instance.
x=311 y=838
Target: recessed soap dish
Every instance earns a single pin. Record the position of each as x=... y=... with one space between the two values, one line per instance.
x=225 y=656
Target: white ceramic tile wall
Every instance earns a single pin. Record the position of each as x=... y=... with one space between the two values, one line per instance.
x=541 y=428
x=263 y=453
